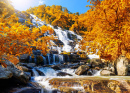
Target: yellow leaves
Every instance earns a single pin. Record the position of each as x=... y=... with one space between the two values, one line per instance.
x=108 y=28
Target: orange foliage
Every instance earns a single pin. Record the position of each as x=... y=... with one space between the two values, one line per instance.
x=108 y=28
x=17 y=39
x=57 y=16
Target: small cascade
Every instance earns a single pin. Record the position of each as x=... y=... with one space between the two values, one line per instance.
x=44 y=60
x=30 y=59
x=35 y=72
x=35 y=59
x=54 y=61
x=68 y=59
x=48 y=71
x=61 y=58
x=49 y=60
x=96 y=72
x=57 y=58
x=69 y=71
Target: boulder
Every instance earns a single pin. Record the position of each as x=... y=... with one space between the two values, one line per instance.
x=28 y=74
x=28 y=65
x=18 y=74
x=22 y=68
x=106 y=73
x=75 y=67
x=82 y=69
x=63 y=74
x=40 y=72
x=96 y=62
x=122 y=65
x=23 y=57
x=5 y=73
x=97 y=68
x=55 y=67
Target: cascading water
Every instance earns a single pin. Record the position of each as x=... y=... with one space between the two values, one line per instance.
x=61 y=58
x=48 y=71
x=54 y=61
x=69 y=41
x=35 y=72
x=48 y=56
x=44 y=60
x=30 y=59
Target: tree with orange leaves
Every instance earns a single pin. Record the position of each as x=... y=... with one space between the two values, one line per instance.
x=17 y=39
x=108 y=29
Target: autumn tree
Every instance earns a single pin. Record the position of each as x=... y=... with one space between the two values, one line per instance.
x=17 y=39
x=108 y=29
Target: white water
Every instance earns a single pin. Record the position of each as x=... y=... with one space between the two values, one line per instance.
x=35 y=72
x=97 y=73
x=48 y=71
x=61 y=34
x=67 y=37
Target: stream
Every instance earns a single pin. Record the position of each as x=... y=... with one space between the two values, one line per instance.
x=53 y=82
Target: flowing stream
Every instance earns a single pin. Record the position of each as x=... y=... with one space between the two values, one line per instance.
x=70 y=41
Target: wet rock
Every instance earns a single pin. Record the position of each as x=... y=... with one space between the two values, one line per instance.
x=105 y=68
x=129 y=67
x=29 y=65
x=106 y=73
x=63 y=74
x=89 y=73
x=40 y=72
x=22 y=68
x=96 y=62
x=40 y=60
x=82 y=63
x=67 y=90
x=23 y=58
x=75 y=67
x=122 y=65
x=97 y=68
x=53 y=51
x=112 y=69
x=115 y=86
x=5 y=73
x=20 y=75
x=55 y=67
x=81 y=69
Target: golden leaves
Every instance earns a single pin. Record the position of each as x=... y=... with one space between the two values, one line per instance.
x=108 y=27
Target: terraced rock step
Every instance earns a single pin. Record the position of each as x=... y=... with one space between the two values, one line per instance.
x=93 y=84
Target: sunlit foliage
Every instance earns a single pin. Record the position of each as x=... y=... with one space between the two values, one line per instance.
x=58 y=16
x=17 y=38
x=108 y=29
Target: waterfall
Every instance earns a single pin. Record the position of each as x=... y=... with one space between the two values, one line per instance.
x=68 y=59
x=44 y=60
x=61 y=58
x=35 y=72
x=56 y=58
x=35 y=59
x=54 y=61
x=96 y=73
x=48 y=55
x=30 y=59
x=48 y=71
